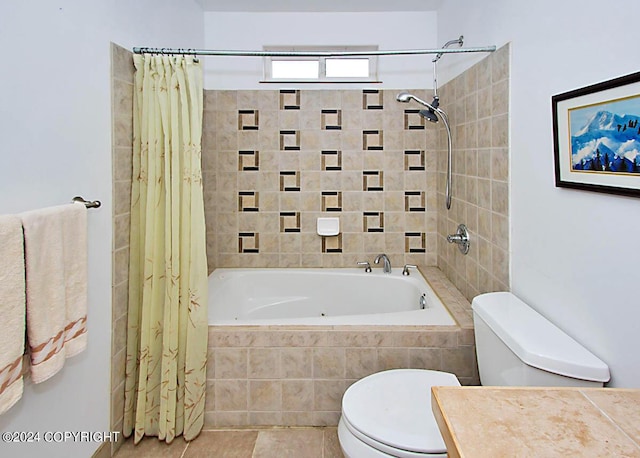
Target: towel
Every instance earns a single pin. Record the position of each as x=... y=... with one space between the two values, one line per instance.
x=12 y=311
x=74 y=243
x=56 y=265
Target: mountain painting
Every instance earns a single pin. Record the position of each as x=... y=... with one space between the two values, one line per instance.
x=605 y=137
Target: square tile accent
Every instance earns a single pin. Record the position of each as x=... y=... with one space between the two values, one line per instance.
x=290 y=181
x=371 y=99
x=248 y=242
x=413 y=120
x=331 y=119
x=414 y=201
x=332 y=244
x=248 y=201
x=289 y=221
x=331 y=160
x=331 y=201
x=415 y=242
x=290 y=140
x=373 y=221
x=248 y=161
x=372 y=140
x=289 y=99
x=414 y=160
x=373 y=180
x=247 y=119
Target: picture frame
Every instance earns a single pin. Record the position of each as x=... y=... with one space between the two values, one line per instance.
x=596 y=137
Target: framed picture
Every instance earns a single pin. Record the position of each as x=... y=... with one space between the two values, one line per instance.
x=596 y=135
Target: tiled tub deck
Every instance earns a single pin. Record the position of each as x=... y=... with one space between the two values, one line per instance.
x=296 y=375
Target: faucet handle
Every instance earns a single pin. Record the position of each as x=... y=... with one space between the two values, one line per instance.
x=405 y=270
x=367 y=267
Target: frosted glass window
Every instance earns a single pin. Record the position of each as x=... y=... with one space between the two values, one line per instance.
x=320 y=69
x=295 y=69
x=347 y=68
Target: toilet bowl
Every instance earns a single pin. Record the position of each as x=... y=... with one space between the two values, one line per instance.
x=388 y=414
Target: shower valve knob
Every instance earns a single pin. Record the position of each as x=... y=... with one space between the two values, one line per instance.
x=461 y=238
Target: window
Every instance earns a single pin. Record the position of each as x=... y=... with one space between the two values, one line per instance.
x=321 y=69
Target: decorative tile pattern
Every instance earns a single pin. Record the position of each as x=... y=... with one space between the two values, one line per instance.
x=331 y=201
x=332 y=244
x=248 y=161
x=414 y=242
x=331 y=160
x=248 y=201
x=331 y=119
x=372 y=99
x=414 y=201
x=289 y=99
x=373 y=180
x=373 y=221
x=413 y=120
x=247 y=119
x=290 y=140
x=372 y=140
x=264 y=180
x=289 y=221
x=290 y=181
x=414 y=160
x=248 y=242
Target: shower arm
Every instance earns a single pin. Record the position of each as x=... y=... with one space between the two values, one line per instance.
x=459 y=42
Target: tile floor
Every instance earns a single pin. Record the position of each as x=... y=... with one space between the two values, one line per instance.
x=242 y=443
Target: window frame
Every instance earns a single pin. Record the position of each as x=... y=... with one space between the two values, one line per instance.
x=322 y=67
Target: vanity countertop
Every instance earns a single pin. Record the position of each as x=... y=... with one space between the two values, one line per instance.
x=509 y=422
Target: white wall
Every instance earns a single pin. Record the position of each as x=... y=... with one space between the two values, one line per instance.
x=252 y=31
x=55 y=143
x=573 y=254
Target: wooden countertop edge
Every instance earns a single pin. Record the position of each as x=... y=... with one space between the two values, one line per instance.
x=453 y=450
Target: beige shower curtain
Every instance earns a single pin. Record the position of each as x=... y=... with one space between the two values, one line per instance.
x=167 y=329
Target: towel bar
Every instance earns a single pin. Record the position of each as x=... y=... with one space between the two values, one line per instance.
x=87 y=203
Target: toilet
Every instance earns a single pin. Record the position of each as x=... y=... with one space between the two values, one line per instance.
x=388 y=414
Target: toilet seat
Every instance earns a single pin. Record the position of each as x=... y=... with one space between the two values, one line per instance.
x=390 y=411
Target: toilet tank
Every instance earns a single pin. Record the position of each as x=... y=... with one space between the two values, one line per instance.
x=516 y=346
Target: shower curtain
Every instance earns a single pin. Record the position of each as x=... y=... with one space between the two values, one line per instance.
x=167 y=321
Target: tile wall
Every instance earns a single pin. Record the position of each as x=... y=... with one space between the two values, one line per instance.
x=276 y=160
x=122 y=149
x=477 y=102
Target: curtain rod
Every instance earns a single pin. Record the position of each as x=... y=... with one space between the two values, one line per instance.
x=212 y=52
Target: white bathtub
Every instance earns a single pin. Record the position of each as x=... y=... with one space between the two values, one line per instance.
x=322 y=297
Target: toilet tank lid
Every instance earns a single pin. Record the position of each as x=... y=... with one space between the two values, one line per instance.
x=535 y=340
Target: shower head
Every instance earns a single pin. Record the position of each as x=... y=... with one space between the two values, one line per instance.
x=404 y=97
x=430 y=113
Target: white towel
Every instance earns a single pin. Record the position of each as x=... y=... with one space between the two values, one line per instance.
x=12 y=311
x=75 y=275
x=55 y=253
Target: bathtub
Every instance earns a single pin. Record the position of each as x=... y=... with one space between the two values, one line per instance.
x=342 y=296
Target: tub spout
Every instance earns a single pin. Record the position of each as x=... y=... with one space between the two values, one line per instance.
x=386 y=268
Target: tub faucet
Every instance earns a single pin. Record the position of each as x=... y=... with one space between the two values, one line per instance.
x=386 y=268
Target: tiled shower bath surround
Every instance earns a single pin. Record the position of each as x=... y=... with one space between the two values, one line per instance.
x=274 y=161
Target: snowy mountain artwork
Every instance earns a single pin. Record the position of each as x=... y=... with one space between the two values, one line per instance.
x=596 y=137
x=605 y=137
